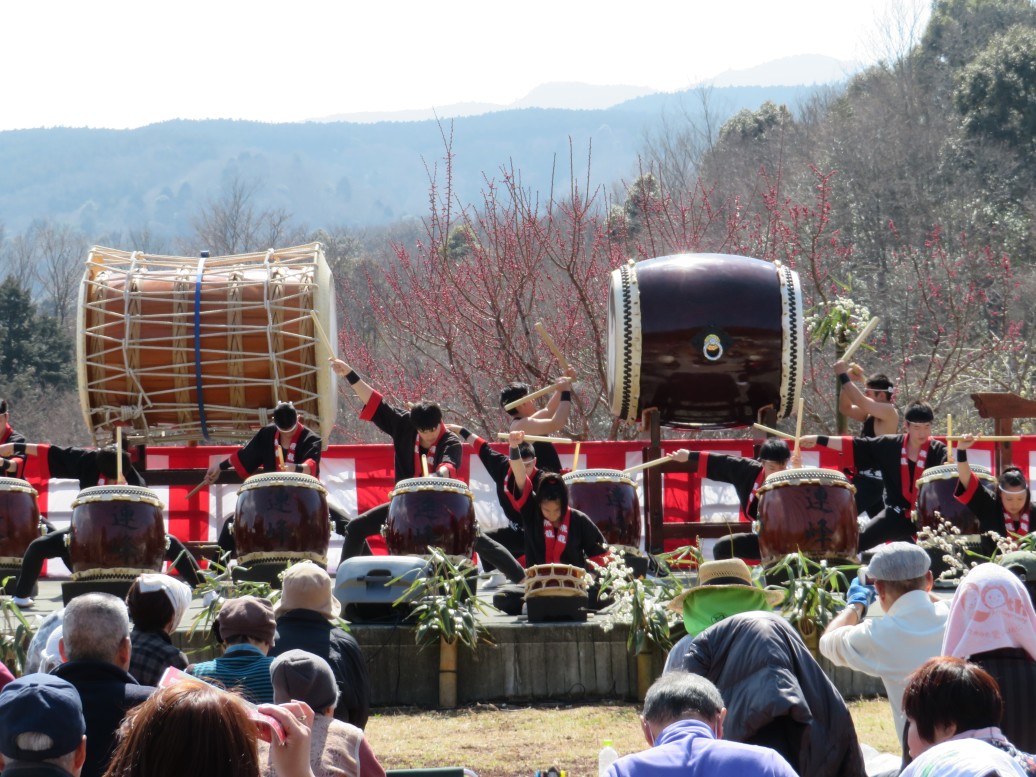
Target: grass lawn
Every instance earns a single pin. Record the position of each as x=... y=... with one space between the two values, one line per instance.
x=505 y=741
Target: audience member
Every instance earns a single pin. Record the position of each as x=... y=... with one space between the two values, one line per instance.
x=683 y=723
x=776 y=693
x=908 y=634
x=191 y=729
x=337 y=749
x=992 y=623
x=5 y=675
x=157 y=604
x=95 y=645
x=724 y=588
x=42 y=730
x=953 y=709
x=35 y=654
x=304 y=614
x=246 y=628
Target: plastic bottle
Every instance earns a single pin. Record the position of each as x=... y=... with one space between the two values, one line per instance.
x=606 y=758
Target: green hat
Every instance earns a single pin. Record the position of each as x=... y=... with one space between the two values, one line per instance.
x=724 y=588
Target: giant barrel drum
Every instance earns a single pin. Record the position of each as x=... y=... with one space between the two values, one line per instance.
x=184 y=349
x=707 y=339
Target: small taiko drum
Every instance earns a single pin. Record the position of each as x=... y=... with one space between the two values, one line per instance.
x=431 y=512
x=282 y=517
x=118 y=532
x=807 y=509
x=19 y=519
x=610 y=499
x=706 y=339
x=936 y=503
x=555 y=580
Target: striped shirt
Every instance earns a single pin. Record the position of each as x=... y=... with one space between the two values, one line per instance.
x=244 y=669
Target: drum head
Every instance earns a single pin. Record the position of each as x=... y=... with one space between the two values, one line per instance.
x=17 y=484
x=411 y=485
x=598 y=476
x=272 y=479
x=949 y=471
x=110 y=493
x=802 y=475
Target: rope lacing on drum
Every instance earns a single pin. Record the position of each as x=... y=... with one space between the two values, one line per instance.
x=264 y=416
x=199 y=389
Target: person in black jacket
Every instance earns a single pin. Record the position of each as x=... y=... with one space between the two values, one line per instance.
x=12 y=466
x=1008 y=511
x=552 y=418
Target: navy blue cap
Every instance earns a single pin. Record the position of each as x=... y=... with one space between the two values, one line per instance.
x=44 y=704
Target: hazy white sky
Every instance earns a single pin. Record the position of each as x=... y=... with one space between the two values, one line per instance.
x=115 y=63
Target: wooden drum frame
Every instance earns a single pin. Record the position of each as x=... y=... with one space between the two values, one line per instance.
x=427 y=512
x=19 y=519
x=186 y=349
x=707 y=339
x=609 y=497
x=935 y=490
x=118 y=533
x=282 y=517
x=807 y=509
x=555 y=580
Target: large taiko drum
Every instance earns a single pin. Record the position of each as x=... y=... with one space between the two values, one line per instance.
x=282 y=517
x=935 y=498
x=19 y=519
x=610 y=499
x=118 y=532
x=707 y=339
x=808 y=509
x=184 y=349
x=431 y=512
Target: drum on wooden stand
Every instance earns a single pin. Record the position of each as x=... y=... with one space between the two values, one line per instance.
x=936 y=503
x=184 y=349
x=281 y=518
x=707 y=339
x=19 y=520
x=556 y=592
x=610 y=499
x=117 y=533
x=807 y=509
x=431 y=512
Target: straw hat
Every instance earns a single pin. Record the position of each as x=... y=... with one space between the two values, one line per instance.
x=728 y=573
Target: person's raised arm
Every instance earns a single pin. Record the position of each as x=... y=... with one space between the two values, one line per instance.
x=857 y=405
x=362 y=389
x=963 y=468
x=547 y=421
x=517 y=465
x=9 y=465
x=813 y=440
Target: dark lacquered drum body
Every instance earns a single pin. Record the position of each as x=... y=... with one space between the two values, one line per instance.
x=431 y=512
x=610 y=499
x=282 y=516
x=117 y=531
x=19 y=519
x=810 y=510
x=935 y=490
x=708 y=339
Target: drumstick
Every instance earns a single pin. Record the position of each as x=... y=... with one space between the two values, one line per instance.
x=860 y=338
x=798 y=424
x=545 y=336
x=320 y=332
x=774 y=432
x=118 y=454
x=535 y=438
x=424 y=464
x=985 y=438
x=646 y=464
x=949 y=437
x=197 y=488
x=575 y=456
x=536 y=395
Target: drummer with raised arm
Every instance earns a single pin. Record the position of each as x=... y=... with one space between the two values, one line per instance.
x=283 y=446
x=416 y=433
x=90 y=468
x=12 y=466
x=547 y=420
x=901 y=459
x=1008 y=510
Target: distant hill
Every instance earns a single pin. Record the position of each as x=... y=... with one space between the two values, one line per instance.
x=325 y=173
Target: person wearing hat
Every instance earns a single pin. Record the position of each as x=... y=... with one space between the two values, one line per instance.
x=337 y=748
x=157 y=604
x=305 y=614
x=42 y=728
x=247 y=629
x=909 y=633
x=725 y=587
x=283 y=446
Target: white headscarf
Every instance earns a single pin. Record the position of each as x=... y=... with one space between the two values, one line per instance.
x=990 y=610
x=178 y=592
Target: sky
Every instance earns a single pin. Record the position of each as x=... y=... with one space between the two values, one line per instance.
x=110 y=63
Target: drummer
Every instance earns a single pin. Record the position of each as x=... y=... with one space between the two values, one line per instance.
x=415 y=433
x=554 y=532
x=1008 y=511
x=283 y=446
x=90 y=468
x=745 y=475
x=873 y=408
x=547 y=420
x=901 y=459
x=13 y=466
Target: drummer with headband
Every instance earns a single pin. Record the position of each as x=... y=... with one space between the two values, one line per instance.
x=547 y=420
x=1009 y=510
x=901 y=459
x=11 y=466
x=283 y=446
x=90 y=468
